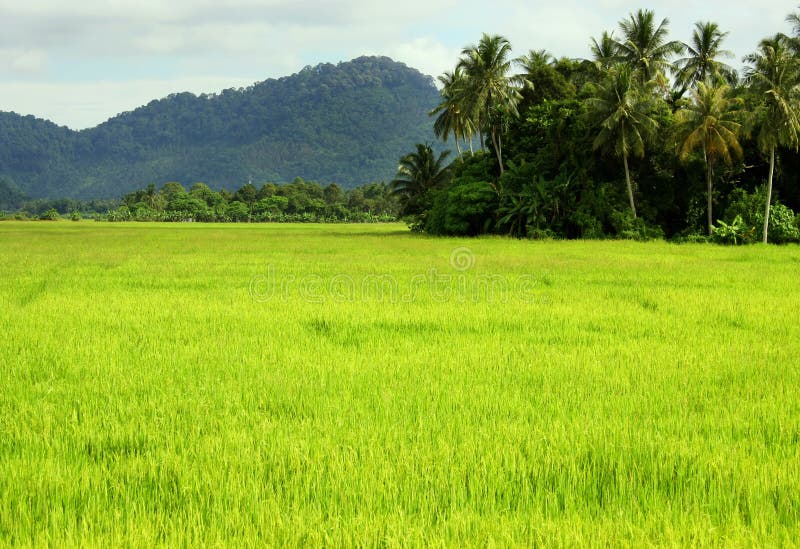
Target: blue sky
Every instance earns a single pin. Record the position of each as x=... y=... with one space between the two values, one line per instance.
x=78 y=63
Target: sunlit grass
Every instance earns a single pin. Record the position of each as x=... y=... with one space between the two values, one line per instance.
x=152 y=392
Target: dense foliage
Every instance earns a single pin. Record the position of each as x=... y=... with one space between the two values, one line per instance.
x=330 y=123
x=299 y=201
x=648 y=138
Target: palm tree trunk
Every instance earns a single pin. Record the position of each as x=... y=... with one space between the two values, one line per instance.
x=709 y=183
x=628 y=182
x=769 y=193
x=497 y=150
x=458 y=147
x=471 y=150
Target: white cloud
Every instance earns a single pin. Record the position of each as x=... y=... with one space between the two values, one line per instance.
x=425 y=54
x=71 y=60
x=18 y=60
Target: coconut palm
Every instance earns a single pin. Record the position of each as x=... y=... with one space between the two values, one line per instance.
x=773 y=73
x=702 y=62
x=418 y=173
x=644 y=45
x=539 y=80
x=490 y=87
x=710 y=123
x=605 y=51
x=534 y=61
x=794 y=39
x=794 y=19
x=454 y=117
x=622 y=107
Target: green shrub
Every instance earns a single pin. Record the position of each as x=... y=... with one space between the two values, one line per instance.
x=692 y=238
x=590 y=227
x=50 y=215
x=750 y=208
x=122 y=213
x=463 y=209
x=629 y=228
x=782 y=225
x=535 y=233
x=736 y=232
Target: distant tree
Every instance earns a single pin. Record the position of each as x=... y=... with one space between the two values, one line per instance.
x=246 y=193
x=267 y=190
x=794 y=19
x=203 y=192
x=702 y=63
x=419 y=173
x=454 y=114
x=171 y=189
x=623 y=110
x=490 y=88
x=774 y=76
x=237 y=211
x=644 y=45
x=333 y=194
x=605 y=51
x=539 y=79
x=710 y=123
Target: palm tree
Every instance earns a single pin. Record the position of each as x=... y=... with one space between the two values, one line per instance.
x=774 y=74
x=702 y=63
x=453 y=112
x=539 y=79
x=605 y=52
x=709 y=123
x=644 y=45
x=418 y=173
x=794 y=39
x=534 y=63
x=794 y=19
x=622 y=107
x=490 y=88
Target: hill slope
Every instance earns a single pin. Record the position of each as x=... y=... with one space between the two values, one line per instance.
x=344 y=123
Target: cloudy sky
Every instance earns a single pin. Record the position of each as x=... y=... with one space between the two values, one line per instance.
x=80 y=62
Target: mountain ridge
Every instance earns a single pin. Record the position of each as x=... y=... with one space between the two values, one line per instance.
x=345 y=123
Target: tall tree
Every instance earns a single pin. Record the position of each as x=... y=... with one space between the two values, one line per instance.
x=644 y=45
x=487 y=66
x=794 y=19
x=773 y=73
x=702 y=61
x=605 y=51
x=622 y=107
x=455 y=117
x=419 y=172
x=709 y=122
x=539 y=79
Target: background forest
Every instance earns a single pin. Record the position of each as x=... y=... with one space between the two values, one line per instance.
x=647 y=138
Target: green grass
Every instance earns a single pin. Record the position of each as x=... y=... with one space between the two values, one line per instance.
x=629 y=394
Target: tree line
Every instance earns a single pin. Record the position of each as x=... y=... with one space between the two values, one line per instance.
x=648 y=137
x=299 y=201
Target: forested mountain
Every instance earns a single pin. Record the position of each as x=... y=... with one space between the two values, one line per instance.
x=330 y=123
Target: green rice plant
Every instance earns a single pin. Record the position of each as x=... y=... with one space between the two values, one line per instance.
x=360 y=385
